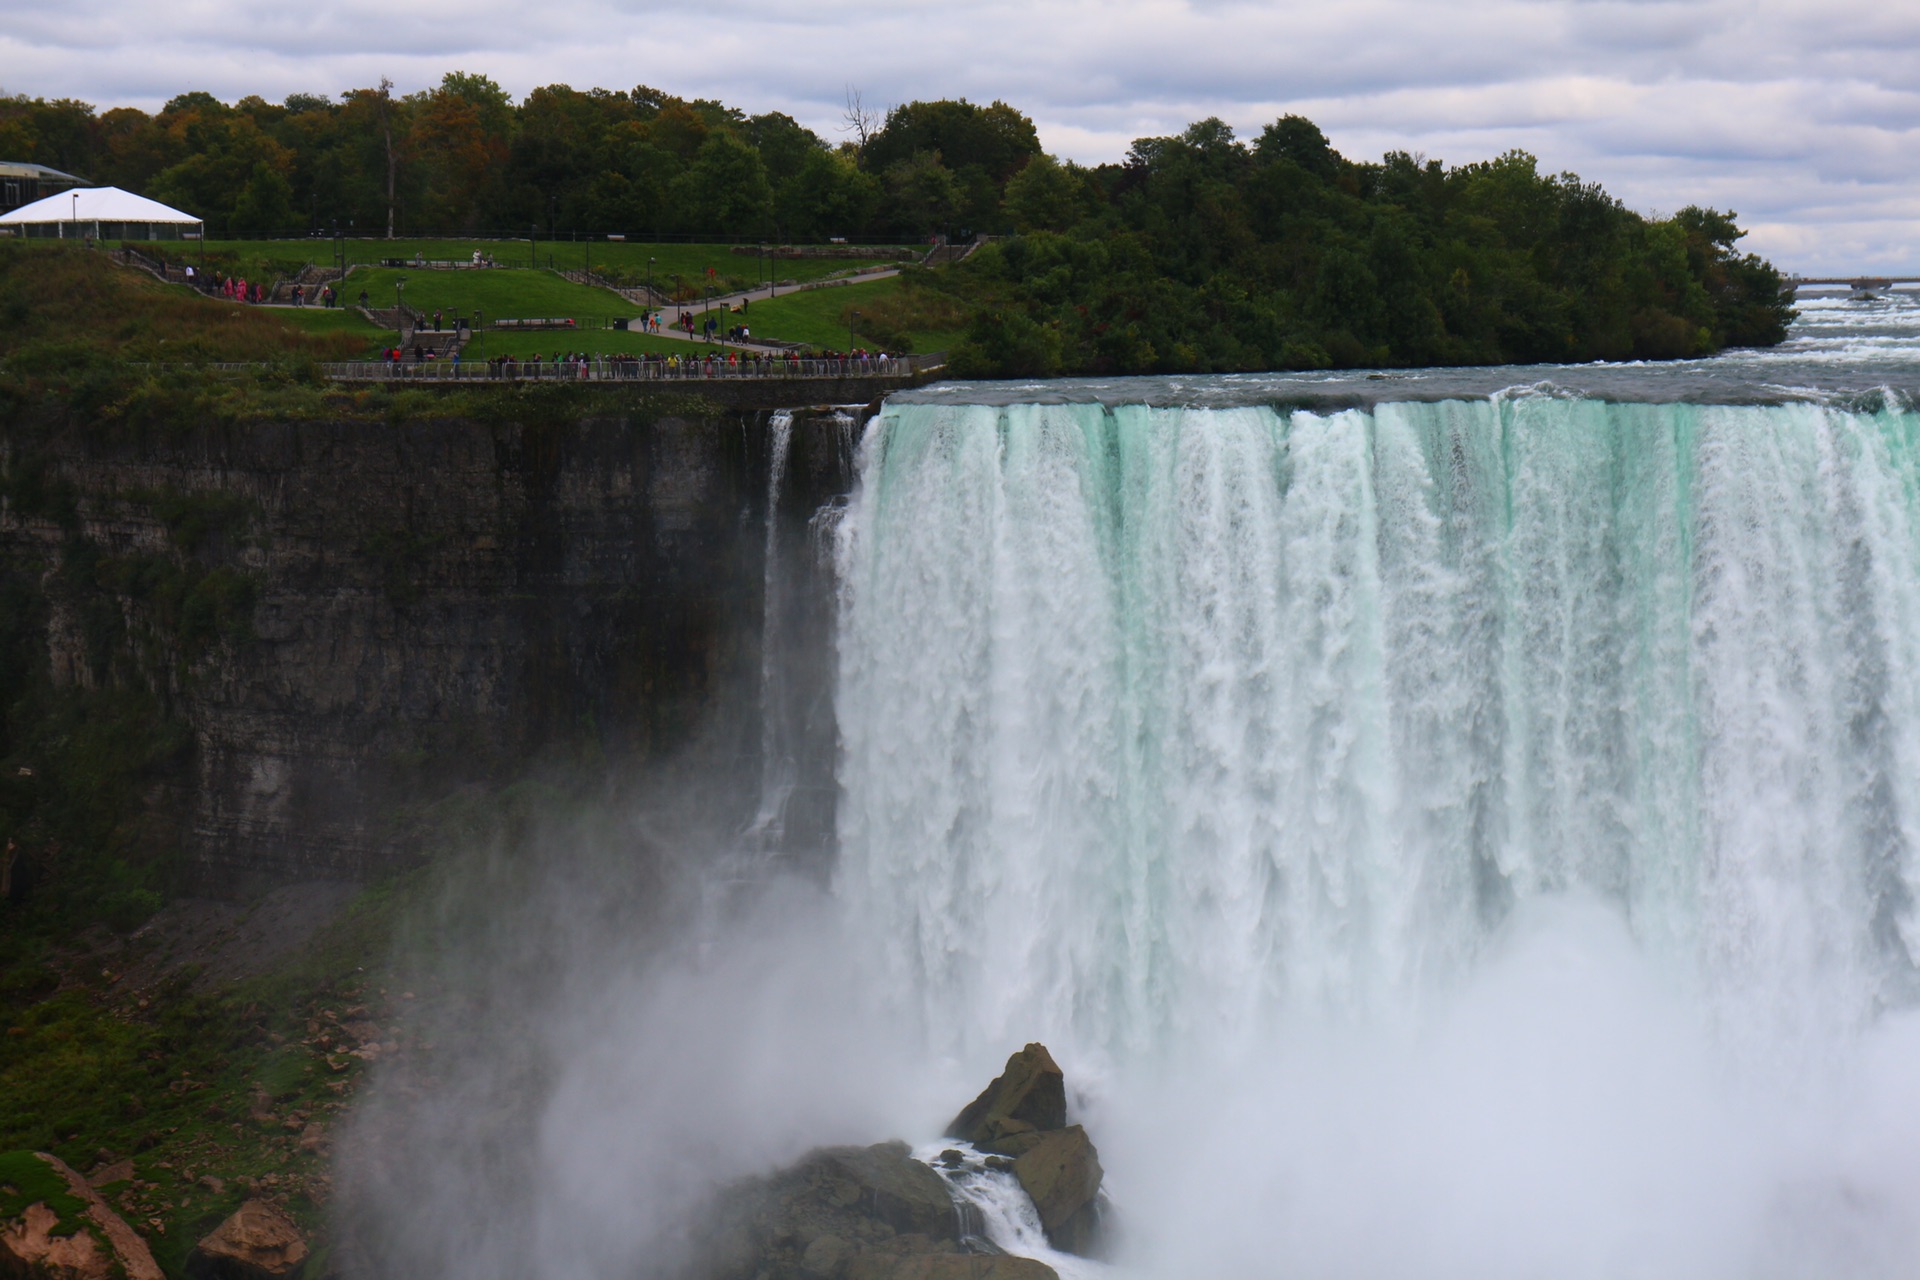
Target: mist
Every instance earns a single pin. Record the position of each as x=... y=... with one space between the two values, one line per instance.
x=1455 y=840
x=1564 y=1111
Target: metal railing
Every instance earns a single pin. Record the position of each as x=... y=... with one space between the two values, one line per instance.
x=659 y=369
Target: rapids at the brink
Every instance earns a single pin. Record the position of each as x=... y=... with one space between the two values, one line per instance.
x=1466 y=835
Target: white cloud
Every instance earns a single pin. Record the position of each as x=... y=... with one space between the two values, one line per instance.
x=1804 y=115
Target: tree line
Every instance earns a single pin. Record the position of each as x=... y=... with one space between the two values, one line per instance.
x=464 y=158
x=1199 y=252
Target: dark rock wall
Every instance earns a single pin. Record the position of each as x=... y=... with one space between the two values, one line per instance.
x=358 y=617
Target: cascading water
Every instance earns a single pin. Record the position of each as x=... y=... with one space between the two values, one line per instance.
x=1210 y=744
x=1160 y=721
x=777 y=767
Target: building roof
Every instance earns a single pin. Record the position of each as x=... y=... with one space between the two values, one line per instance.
x=95 y=204
x=21 y=169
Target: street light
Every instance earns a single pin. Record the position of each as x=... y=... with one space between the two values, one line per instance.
x=399 y=308
x=76 y=215
x=852 y=320
x=649 y=283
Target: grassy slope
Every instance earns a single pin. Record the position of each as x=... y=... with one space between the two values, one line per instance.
x=242 y=1085
x=341 y=320
x=271 y=259
x=499 y=294
x=890 y=309
x=60 y=303
x=25 y=1179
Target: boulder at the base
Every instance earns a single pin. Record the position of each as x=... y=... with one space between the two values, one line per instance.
x=841 y=1213
x=1061 y=1173
x=104 y=1248
x=258 y=1242
x=1030 y=1094
x=972 y=1266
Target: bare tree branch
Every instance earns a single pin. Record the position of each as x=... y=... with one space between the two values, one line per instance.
x=858 y=120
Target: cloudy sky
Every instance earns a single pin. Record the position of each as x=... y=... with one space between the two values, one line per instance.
x=1802 y=115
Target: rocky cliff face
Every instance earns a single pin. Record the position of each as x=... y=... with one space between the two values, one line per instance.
x=351 y=618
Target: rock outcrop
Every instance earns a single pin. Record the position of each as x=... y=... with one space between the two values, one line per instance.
x=36 y=1245
x=1061 y=1172
x=1023 y=1115
x=1029 y=1096
x=842 y=1213
x=257 y=1242
x=877 y=1213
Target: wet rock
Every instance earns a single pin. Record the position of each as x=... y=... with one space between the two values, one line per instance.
x=104 y=1247
x=258 y=1242
x=914 y=1260
x=1030 y=1095
x=962 y=1266
x=827 y=1257
x=871 y=1199
x=1061 y=1173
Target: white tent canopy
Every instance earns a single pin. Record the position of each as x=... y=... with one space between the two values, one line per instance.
x=105 y=213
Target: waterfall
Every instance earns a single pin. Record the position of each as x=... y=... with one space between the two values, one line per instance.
x=1471 y=838
x=1161 y=724
x=777 y=766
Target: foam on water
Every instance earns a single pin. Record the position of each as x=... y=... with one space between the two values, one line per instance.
x=1462 y=838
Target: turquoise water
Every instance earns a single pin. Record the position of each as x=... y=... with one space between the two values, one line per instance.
x=1521 y=749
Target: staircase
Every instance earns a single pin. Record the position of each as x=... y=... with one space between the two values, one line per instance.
x=164 y=271
x=313 y=277
x=944 y=254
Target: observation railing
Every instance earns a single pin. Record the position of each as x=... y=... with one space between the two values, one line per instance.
x=670 y=370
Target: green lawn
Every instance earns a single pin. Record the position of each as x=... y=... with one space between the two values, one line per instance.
x=627 y=260
x=499 y=294
x=819 y=317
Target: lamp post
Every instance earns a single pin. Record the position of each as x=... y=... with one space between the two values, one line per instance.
x=76 y=215
x=399 y=308
x=852 y=320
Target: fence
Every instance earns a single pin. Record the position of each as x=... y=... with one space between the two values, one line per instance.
x=666 y=369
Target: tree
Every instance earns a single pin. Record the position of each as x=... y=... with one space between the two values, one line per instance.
x=265 y=204
x=1047 y=195
x=727 y=187
x=921 y=195
x=859 y=120
x=1299 y=140
x=996 y=138
x=830 y=196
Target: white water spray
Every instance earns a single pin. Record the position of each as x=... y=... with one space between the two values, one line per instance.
x=1500 y=814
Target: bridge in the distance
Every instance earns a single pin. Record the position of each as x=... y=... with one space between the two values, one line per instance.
x=1864 y=286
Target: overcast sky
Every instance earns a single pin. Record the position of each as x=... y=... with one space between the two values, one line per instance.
x=1801 y=115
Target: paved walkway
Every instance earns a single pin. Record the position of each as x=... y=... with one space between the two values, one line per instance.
x=725 y=302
